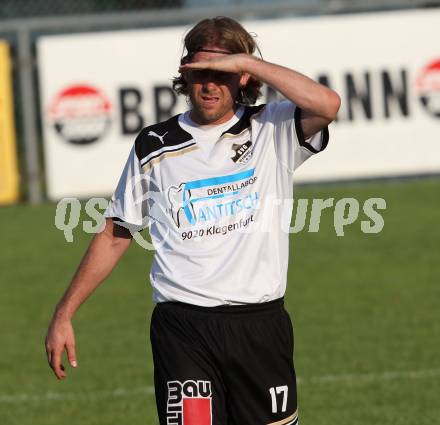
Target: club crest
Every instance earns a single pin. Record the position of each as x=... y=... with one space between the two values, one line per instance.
x=242 y=153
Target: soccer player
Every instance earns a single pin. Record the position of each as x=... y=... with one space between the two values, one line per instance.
x=210 y=184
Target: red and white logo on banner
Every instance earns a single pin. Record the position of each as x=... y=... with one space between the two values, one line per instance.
x=80 y=114
x=428 y=86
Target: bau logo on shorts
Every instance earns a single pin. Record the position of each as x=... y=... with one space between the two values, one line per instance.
x=189 y=403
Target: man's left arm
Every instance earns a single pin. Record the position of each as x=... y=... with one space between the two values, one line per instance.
x=319 y=104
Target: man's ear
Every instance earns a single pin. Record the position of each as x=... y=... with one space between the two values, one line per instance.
x=244 y=78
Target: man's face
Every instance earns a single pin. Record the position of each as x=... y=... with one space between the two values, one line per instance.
x=212 y=93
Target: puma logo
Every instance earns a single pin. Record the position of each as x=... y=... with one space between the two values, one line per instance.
x=152 y=133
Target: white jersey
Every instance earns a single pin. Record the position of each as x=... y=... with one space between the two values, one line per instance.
x=218 y=214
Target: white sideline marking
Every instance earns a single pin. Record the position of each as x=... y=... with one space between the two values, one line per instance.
x=370 y=377
x=88 y=396
x=149 y=390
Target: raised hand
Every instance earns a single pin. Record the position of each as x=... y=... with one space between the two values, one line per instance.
x=235 y=63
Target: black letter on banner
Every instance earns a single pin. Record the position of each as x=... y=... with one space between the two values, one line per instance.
x=354 y=95
x=323 y=79
x=163 y=112
x=131 y=119
x=390 y=92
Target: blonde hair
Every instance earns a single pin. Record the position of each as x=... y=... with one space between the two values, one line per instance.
x=228 y=35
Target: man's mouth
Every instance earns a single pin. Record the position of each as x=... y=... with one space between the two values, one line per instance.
x=210 y=100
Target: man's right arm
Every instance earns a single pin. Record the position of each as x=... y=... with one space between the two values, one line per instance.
x=103 y=253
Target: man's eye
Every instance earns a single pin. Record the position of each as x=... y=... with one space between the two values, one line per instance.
x=222 y=76
x=203 y=75
x=199 y=75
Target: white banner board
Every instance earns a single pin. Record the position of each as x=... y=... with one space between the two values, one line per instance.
x=98 y=89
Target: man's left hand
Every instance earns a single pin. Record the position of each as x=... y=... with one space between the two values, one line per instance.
x=235 y=63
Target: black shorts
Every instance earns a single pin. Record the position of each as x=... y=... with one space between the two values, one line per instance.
x=227 y=365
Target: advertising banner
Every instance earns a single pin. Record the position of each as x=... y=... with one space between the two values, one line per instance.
x=9 y=179
x=99 y=89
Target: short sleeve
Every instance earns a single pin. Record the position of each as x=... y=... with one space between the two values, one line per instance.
x=128 y=206
x=291 y=148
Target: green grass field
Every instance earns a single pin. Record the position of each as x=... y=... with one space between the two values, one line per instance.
x=365 y=310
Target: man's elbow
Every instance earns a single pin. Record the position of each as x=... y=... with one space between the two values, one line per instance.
x=333 y=103
x=116 y=234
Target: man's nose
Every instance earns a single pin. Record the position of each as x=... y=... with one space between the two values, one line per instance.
x=209 y=84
